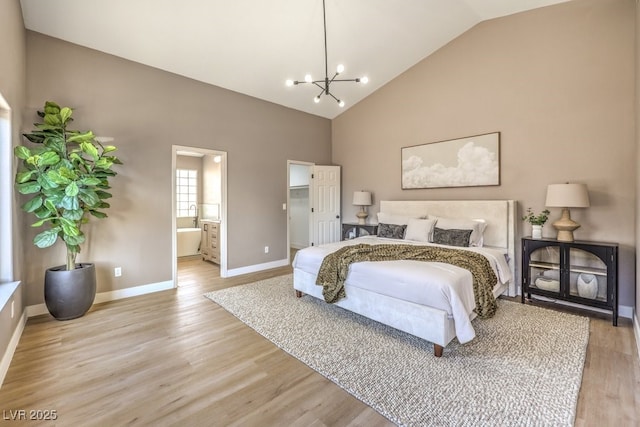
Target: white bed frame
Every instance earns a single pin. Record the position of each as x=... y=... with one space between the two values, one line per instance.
x=423 y=321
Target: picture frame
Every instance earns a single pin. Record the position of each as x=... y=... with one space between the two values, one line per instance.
x=463 y=162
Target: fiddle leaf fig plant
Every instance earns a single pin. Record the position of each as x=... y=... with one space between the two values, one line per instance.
x=67 y=174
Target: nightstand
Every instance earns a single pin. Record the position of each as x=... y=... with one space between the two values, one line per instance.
x=351 y=230
x=581 y=272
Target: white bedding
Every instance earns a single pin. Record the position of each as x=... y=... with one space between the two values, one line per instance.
x=434 y=284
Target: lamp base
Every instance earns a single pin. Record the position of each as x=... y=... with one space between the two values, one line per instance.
x=565 y=226
x=362 y=217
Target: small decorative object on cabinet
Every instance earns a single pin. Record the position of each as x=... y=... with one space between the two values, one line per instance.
x=351 y=230
x=580 y=272
x=209 y=246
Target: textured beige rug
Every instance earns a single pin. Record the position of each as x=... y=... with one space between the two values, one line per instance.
x=523 y=369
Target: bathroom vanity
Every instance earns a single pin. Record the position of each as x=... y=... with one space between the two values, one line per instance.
x=210 y=247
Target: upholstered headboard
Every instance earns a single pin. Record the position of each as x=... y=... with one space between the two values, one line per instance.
x=498 y=214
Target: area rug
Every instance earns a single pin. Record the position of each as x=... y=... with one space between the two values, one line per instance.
x=524 y=368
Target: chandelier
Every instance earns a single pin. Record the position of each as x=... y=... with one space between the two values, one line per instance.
x=325 y=83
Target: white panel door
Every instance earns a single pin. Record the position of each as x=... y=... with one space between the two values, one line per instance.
x=326 y=204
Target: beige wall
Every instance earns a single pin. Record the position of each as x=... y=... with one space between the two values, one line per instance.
x=147 y=111
x=637 y=93
x=557 y=82
x=13 y=89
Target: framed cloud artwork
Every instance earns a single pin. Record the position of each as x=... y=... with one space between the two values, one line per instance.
x=462 y=162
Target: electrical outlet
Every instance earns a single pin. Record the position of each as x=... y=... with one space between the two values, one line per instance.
x=284 y=206
x=266 y=249
x=117 y=271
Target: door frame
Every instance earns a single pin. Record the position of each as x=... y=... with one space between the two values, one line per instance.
x=289 y=164
x=223 y=208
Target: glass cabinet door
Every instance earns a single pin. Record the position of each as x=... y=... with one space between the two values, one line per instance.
x=544 y=269
x=587 y=275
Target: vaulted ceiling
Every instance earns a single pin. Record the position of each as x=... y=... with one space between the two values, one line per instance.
x=253 y=46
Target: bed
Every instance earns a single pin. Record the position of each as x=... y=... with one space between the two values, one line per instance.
x=432 y=302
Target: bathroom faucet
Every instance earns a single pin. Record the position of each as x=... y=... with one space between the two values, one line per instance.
x=195 y=217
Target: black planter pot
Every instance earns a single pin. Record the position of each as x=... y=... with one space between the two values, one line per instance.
x=69 y=293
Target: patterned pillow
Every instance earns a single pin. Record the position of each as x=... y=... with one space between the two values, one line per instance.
x=451 y=237
x=391 y=231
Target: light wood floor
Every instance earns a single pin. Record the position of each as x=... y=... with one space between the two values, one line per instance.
x=174 y=357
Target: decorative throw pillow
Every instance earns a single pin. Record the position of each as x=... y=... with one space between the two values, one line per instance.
x=391 y=231
x=451 y=237
x=477 y=226
x=420 y=230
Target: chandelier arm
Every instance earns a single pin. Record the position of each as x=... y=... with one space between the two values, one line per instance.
x=331 y=95
x=346 y=80
x=316 y=83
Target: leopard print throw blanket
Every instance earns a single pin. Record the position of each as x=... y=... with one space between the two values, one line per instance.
x=335 y=267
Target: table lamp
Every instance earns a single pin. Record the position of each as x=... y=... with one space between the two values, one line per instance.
x=567 y=196
x=362 y=199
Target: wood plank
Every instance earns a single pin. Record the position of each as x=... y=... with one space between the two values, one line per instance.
x=174 y=357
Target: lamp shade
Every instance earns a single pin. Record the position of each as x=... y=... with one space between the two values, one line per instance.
x=362 y=198
x=567 y=196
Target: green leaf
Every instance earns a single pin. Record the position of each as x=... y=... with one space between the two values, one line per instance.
x=69 y=173
x=69 y=202
x=89 y=197
x=80 y=137
x=44 y=213
x=90 y=149
x=46 y=238
x=48 y=159
x=69 y=228
x=34 y=137
x=90 y=181
x=104 y=163
x=108 y=149
x=56 y=177
x=103 y=194
x=50 y=205
x=46 y=182
x=52 y=120
x=22 y=152
x=98 y=214
x=30 y=187
x=72 y=189
x=24 y=176
x=73 y=215
x=74 y=240
x=65 y=113
x=51 y=107
x=32 y=204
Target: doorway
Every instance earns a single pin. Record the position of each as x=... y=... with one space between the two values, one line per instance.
x=313 y=205
x=199 y=199
x=299 y=206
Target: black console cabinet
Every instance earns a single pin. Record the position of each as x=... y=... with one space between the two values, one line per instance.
x=581 y=272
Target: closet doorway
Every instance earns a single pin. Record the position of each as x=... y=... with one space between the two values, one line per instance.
x=300 y=205
x=199 y=199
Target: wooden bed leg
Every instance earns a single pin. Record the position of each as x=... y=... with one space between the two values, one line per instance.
x=299 y=294
x=437 y=350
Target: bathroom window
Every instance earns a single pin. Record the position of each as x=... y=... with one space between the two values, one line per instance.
x=186 y=192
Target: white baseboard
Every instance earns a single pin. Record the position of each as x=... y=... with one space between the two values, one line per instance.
x=38 y=309
x=11 y=348
x=257 y=267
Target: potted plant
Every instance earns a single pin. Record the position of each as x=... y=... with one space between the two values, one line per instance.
x=536 y=221
x=66 y=173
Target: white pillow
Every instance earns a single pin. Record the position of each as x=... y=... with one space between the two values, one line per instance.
x=385 y=218
x=420 y=230
x=477 y=225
